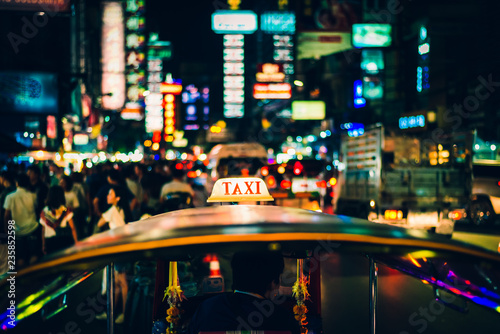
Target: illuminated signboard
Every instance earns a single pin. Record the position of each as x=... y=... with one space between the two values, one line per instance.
x=372 y=61
x=154 y=100
x=234 y=96
x=81 y=139
x=233 y=110
x=171 y=88
x=371 y=35
x=353 y=129
x=169 y=117
x=270 y=73
x=36 y=5
x=272 y=91
x=233 y=55
x=409 y=122
x=308 y=110
x=113 y=56
x=234 y=80
x=284 y=54
x=423 y=60
x=359 y=101
x=51 y=127
x=135 y=59
x=28 y=92
x=373 y=88
x=234 y=21
x=277 y=22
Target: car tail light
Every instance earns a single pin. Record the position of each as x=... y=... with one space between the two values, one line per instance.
x=271 y=182
x=332 y=181
x=285 y=184
x=321 y=184
x=457 y=214
x=393 y=214
x=297 y=168
x=264 y=171
x=179 y=166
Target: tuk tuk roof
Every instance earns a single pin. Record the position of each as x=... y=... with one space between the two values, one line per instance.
x=237 y=224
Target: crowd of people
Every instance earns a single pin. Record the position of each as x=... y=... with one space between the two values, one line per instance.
x=54 y=207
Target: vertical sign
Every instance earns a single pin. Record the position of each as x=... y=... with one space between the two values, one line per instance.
x=135 y=61
x=234 y=76
x=169 y=122
x=158 y=51
x=170 y=90
x=113 y=56
x=233 y=24
x=423 y=60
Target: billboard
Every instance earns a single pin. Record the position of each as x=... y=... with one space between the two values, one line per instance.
x=322 y=43
x=113 y=56
x=278 y=22
x=36 y=5
x=324 y=27
x=308 y=110
x=366 y=35
x=272 y=91
x=28 y=92
x=234 y=22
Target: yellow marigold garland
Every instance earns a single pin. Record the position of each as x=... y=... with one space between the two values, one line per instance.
x=174 y=296
x=299 y=291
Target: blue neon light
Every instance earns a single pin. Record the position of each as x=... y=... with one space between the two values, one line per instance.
x=409 y=122
x=359 y=101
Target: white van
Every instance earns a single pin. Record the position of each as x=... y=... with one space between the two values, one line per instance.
x=235 y=159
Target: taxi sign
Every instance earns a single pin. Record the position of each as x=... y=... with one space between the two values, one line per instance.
x=238 y=189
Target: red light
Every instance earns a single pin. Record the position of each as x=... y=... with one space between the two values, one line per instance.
x=191 y=174
x=297 y=168
x=179 y=166
x=498 y=183
x=156 y=137
x=455 y=215
x=285 y=184
x=271 y=181
x=321 y=184
x=189 y=165
x=264 y=171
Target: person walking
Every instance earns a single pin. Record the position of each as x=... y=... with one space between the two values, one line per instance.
x=20 y=207
x=59 y=230
x=116 y=216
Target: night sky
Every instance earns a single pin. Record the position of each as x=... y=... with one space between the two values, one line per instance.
x=187 y=25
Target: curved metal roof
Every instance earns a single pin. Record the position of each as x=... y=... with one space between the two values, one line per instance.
x=250 y=224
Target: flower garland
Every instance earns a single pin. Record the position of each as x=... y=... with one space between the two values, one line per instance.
x=299 y=291
x=174 y=296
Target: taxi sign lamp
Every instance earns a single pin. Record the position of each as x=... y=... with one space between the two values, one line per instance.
x=240 y=189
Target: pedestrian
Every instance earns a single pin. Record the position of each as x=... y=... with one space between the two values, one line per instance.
x=20 y=207
x=8 y=181
x=114 y=180
x=116 y=216
x=84 y=212
x=59 y=231
x=39 y=187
